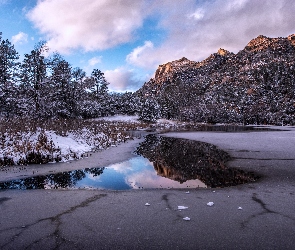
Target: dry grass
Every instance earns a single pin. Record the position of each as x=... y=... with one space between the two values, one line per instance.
x=24 y=141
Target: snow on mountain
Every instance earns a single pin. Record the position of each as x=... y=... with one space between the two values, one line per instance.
x=254 y=86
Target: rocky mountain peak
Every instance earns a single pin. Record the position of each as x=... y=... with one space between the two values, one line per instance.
x=291 y=38
x=254 y=85
x=259 y=43
x=262 y=43
x=223 y=52
x=167 y=69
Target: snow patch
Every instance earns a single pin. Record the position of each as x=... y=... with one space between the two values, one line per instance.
x=123 y=118
x=69 y=147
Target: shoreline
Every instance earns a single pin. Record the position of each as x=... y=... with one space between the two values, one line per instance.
x=120 y=153
x=229 y=142
x=267 y=153
x=257 y=215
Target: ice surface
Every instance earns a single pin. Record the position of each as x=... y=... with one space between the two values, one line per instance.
x=182 y=207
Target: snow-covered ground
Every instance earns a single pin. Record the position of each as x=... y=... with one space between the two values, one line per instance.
x=19 y=146
x=122 y=118
x=24 y=143
x=50 y=144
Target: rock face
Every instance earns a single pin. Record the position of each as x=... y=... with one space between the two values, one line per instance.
x=164 y=71
x=291 y=38
x=222 y=52
x=254 y=86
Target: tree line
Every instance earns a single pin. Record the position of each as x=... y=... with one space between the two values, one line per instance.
x=43 y=87
x=250 y=87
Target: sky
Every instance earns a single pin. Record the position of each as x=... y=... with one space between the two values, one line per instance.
x=128 y=39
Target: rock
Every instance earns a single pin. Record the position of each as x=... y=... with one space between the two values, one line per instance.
x=249 y=87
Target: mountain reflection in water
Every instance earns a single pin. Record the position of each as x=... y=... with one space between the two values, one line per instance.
x=183 y=160
x=163 y=163
x=136 y=173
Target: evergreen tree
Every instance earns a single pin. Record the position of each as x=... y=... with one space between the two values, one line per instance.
x=150 y=111
x=100 y=83
x=100 y=91
x=33 y=80
x=62 y=99
x=8 y=72
x=79 y=93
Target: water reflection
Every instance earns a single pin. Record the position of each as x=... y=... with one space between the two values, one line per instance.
x=184 y=160
x=137 y=173
x=52 y=181
x=163 y=163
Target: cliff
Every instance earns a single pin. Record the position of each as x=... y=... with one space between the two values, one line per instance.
x=255 y=85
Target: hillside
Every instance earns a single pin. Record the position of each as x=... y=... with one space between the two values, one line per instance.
x=254 y=86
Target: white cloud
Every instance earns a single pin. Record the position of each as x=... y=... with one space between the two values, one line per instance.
x=20 y=38
x=91 y=64
x=94 y=60
x=198 y=14
x=193 y=29
x=136 y=55
x=236 y=5
x=89 y=24
x=197 y=29
x=122 y=79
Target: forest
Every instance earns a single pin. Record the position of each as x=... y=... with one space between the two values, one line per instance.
x=254 y=86
x=42 y=87
x=47 y=106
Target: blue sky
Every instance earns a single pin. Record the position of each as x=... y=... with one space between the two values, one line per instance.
x=128 y=39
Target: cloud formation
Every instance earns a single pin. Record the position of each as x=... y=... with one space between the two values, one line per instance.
x=135 y=56
x=122 y=79
x=89 y=24
x=196 y=29
x=94 y=60
x=193 y=29
x=20 y=38
x=92 y=64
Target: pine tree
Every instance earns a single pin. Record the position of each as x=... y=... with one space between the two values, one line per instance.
x=100 y=83
x=62 y=99
x=33 y=80
x=78 y=92
x=8 y=73
x=100 y=91
x=150 y=111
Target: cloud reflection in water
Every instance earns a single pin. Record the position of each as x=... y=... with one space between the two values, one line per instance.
x=135 y=173
x=161 y=163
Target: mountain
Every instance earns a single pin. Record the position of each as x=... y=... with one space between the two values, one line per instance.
x=254 y=86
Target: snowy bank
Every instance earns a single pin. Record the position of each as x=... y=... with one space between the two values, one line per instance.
x=59 y=140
